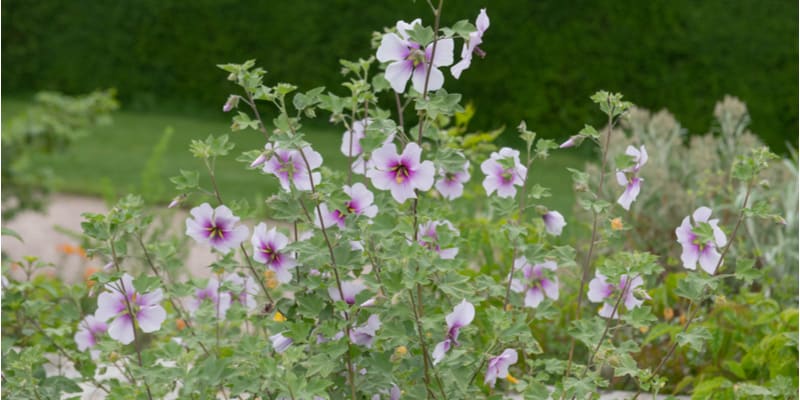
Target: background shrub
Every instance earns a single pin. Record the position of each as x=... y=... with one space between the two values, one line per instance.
x=681 y=55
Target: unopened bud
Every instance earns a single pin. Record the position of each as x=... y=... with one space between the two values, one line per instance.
x=369 y=303
x=541 y=210
x=779 y=220
x=262 y=158
x=109 y=266
x=233 y=102
x=177 y=201
x=580 y=187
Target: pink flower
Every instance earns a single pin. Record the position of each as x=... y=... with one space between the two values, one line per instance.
x=694 y=250
x=571 y=142
x=280 y=343
x=364 y=335
x=402 y=174
x=462 y=315
x=471 y=45
x=360 y=203
x=632 y=188
x=220 y=300
x=409 y=60
x=290 y=168
x=451 y=184
x=633 y=183
x=351 y=140
x=600 y=290
x=88 y=331
x=231 y=103
x=267 y=249
x=350 y=289
x=247 y=294
x=553 y=222
x=498 y=366
x=537 y=284
x=113 y=303
x=215 y=227
x=503 y=171
x=429 y=238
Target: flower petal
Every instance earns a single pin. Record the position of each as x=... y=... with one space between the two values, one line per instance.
x=392 y=48
x=121 y=329
x=397 y=73
x=150 y=318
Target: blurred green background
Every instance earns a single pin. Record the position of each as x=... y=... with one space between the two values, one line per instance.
x=544 y=57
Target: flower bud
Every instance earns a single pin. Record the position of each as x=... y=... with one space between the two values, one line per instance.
x=177 y=201
x=541 y=210
x=258 y=161
x=233 y=102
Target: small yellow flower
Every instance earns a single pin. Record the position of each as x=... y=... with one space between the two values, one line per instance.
x=616 y=224
x=668 y=313
x=269 y=274
x=401 y=351
x=644 y=329
x=278 y=317
x=511 y=379
x=272 y=283
x=683 y=319
x=508 y=307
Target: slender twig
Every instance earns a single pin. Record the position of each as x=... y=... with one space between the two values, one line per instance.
x=423 y=344
x=399 y=111
x=595 y=219
x=696 y=307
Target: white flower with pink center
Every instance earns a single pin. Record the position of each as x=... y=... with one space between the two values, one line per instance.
x=695 y=249
x=471 y=45
x=503 y=172
x=215 y=227
x=211 y=293
x=553 y=222
x=351 y=140
x=410 y=60
x=129 y=308
x=89 y=330
x=360 y=204
x=600 y=290
x=629 y=178
x=268 y=248
x=429 y=238
x=290 y=168
x=537 y=283
x=451 y=184
x=462 y=315
x=364 y=335
x=402 y=174
x=246 y=290
x=350 y=289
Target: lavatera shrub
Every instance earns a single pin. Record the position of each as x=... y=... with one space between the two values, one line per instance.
x=373 y=282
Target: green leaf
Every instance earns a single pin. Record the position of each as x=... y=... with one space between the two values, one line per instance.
x=695 y=338
x=420 y=34
x=187 y=181
x=746 y=272
x=12 y=233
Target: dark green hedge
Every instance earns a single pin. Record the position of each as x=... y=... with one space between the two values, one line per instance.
x=544 y=58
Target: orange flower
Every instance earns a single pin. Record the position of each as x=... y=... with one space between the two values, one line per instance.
x=668 y=313
x=69 y=249
x=278 y=317
x=616 y=224
x=181 y=324
x=87 y=275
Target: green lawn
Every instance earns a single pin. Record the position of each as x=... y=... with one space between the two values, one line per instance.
x=110 y=161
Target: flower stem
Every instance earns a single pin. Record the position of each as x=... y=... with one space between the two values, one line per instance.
x=587 y=265
x=521 y=211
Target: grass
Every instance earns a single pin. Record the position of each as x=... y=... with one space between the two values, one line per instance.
x=110 y=162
